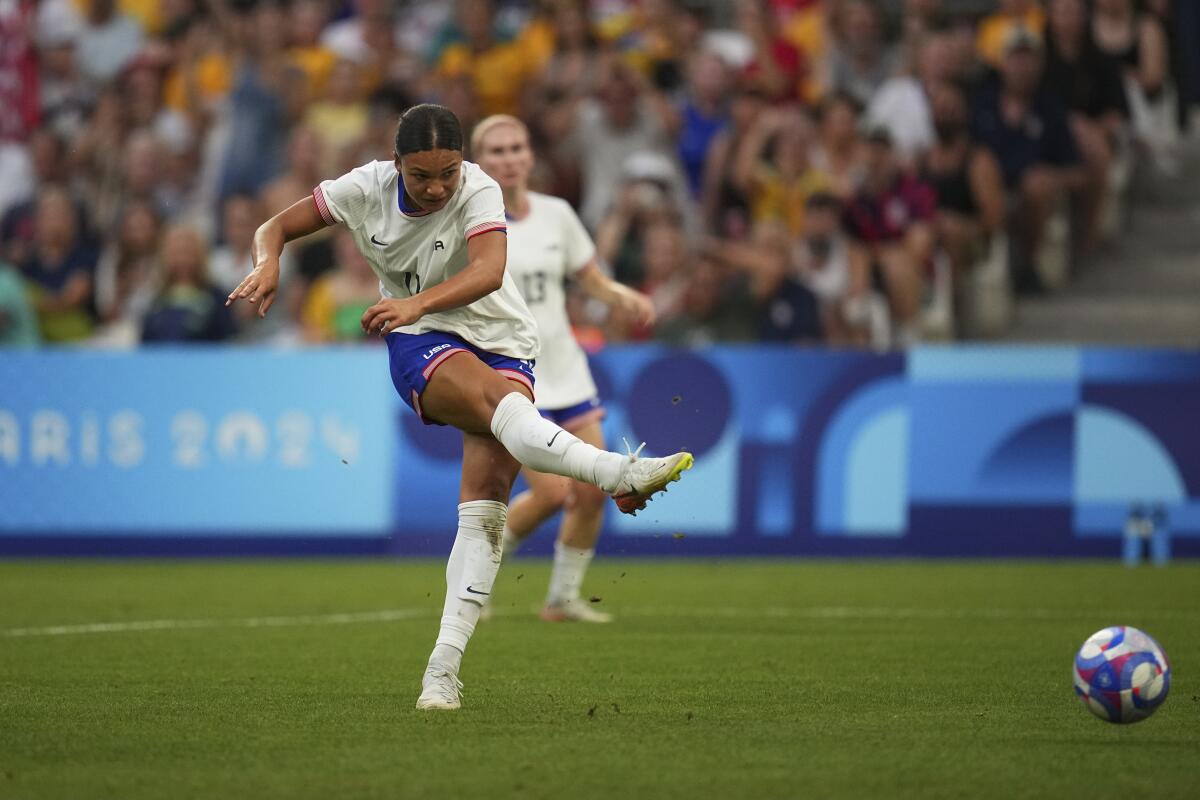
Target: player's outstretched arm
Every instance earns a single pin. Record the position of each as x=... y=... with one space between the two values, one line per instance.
x=299 y=219
x=616 y=295
x=487 y=254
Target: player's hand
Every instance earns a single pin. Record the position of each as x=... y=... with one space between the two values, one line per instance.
x=637 y=306
x=391 y=313
x=258 y=287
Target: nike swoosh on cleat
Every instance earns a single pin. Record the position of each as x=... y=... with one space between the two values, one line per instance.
x=552 y=438
x=473 y=591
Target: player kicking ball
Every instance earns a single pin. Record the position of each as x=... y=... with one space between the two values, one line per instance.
x=461 y=344
x=547 y=244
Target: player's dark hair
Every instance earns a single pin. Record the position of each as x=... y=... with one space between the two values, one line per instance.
x=428 y=127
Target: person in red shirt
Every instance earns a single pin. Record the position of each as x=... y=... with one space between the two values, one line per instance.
x=890 y=219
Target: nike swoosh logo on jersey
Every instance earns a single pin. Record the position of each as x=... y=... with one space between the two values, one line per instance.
x=376 y=241
x=473 y=591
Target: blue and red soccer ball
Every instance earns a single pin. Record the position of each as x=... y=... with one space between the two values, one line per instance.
x=1121 y=674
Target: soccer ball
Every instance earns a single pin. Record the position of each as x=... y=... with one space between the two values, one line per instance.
x=1121 y=674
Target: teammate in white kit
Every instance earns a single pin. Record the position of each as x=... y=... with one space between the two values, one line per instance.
x=461 y=344
x=547 y=244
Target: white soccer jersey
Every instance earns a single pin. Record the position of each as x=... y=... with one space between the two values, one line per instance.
x=412 y=251
x=545 y=247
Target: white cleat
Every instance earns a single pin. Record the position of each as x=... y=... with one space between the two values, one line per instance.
x=577 y=610
x=645 y=477
x=440 y=690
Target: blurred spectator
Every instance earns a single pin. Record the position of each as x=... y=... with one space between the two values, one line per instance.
x=665 y=258
x=48 y=157
x=350 y=37
x=303 y=171
x=998 y=28
x=339 y=117
x=806 y=24
x=336 y=302
x=837 y=151
x=307 y=19
x=902 y=103
x=1089 y=83
x=311 y=256
x=18 y=100
x=655 y=37
x=851 y=312
x=127 y=274
x=495 y=65
x=921 y=18
x=188 y=308
x=625 y=117
x=109 y=41
x=60 y=269
x=18 y=323
x=141 y=176
x=861 y=60
x=702 y=114
x=571 y=65
x=891 y=220
x=267 y=96
x=201 y=75
x=725 y=202
x=644 y=202
x=1028 y=131
x=966 y=177
x=774 y=169
x=712 y=308
x=66 y=99
x=231 y=261
x=1136 y=38
x=776 y=64
x=786 y=310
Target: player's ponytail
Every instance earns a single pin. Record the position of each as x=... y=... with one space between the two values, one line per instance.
x=428 y=127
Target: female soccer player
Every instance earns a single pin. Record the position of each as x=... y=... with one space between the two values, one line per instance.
x=546 y=245
x=461 y=345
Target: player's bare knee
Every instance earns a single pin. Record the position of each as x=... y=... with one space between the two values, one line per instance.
x=586 y=498
x=551 y=496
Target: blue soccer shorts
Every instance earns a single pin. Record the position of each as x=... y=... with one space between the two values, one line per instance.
x=415 y=357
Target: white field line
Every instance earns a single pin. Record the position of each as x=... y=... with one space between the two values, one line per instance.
x=397 y=614
x=389 y=615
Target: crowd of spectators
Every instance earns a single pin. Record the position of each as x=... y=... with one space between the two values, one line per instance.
x=765 y=170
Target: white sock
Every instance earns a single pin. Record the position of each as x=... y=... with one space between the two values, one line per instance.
x=511 y=543
x=541 y=445
x=470 y=573
x=566 y=579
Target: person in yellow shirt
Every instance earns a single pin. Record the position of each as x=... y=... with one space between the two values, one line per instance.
x=339 y=119
x=202 y=73
x=996 y=28
x=807 y=28
x=335 y=304
x=497 y=69
x=315 y=60
x=775 y=167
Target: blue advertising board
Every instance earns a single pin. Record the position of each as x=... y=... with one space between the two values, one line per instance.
x=940 y=451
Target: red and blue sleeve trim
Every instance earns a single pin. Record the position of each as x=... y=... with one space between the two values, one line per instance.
x=486 y=227
x=322 y=206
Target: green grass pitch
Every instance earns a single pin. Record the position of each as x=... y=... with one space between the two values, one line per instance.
x=720 y=679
